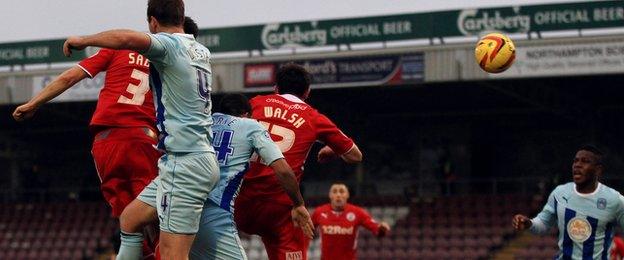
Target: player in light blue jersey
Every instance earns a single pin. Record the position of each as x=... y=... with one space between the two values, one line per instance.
x=180 y=76
x=236 y=139
x=585 y=211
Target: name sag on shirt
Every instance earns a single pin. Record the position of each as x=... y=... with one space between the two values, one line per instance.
x=137 y=59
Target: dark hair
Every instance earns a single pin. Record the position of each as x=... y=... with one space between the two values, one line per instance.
x=595 y=150
x=166 y=12
x=190 y=27
x=234 y=105
x=293 y=79
x=340 y=183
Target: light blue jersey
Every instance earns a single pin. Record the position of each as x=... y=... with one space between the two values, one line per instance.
x=181 y=80
x=585 y=221
x=235 y=140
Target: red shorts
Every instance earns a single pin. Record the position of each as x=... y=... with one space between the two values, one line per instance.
x=271 y=221
x=126 y=161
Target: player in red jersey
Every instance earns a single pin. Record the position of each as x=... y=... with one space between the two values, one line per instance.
x=338 y=223
x=262 y=207
x=617 y=249
x=123 y=123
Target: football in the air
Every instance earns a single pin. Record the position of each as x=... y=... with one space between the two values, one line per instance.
x=495 y=52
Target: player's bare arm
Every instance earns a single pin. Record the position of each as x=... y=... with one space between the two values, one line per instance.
x=59 y=85
x=354 y=155
x=521 y=222
x=287 y=179
x=114 y=39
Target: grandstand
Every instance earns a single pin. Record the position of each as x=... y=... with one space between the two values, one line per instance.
x=451 y=153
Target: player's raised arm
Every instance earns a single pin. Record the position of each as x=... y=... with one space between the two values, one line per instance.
x=59 y=85
x=120 y=39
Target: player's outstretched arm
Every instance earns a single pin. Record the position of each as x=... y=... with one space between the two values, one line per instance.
x=287 y=179
x=114 y=39
x=354 y=155
x=59 y=85
x=521 y=222
x=384 y=229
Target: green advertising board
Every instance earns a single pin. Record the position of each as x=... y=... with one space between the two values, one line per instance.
x=34 y=52
x=517 y=19
x=455 y=23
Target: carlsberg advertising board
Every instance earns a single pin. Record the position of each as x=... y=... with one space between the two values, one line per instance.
x=455 y=23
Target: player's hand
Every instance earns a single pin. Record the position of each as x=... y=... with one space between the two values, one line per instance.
x=384 y=229
x=301 y=218
x=73 y=43
x=521 y=222
x=326 y=154
x=23 y=112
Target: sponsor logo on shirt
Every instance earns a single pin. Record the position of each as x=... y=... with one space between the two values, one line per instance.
x=337 y=230
x=579 y=229
x=297 y=255
x=350 y=216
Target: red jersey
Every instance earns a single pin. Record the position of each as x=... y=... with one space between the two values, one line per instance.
x=294 y=126
x=617 y=250
x=125 y=100
x=339 y=230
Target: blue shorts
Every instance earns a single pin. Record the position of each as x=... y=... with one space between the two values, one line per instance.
x=184 y=181
x=217 y=237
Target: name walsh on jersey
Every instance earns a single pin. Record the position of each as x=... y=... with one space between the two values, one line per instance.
x=285 y=115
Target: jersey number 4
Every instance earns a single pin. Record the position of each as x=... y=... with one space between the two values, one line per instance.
x=138 y=91
x=222 y=145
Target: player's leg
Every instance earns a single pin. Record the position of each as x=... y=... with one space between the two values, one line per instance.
x=284 y=240
x=217 y=237
x=135 y=217
x=144 y=168
x=109 y=154
x=245 y=216
x=115 y=184
x=185 y=181
x=175 y=246
x=123 y=177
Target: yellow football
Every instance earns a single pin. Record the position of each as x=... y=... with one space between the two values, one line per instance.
x=495 y=53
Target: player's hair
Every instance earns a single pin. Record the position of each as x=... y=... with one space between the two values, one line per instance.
x=595 y=150
x=234 y=104
x=340 y=183
x=166 y=12
x=190 y=27
x=293 y=79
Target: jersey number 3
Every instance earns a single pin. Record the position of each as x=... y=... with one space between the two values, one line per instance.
x=138 y=91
